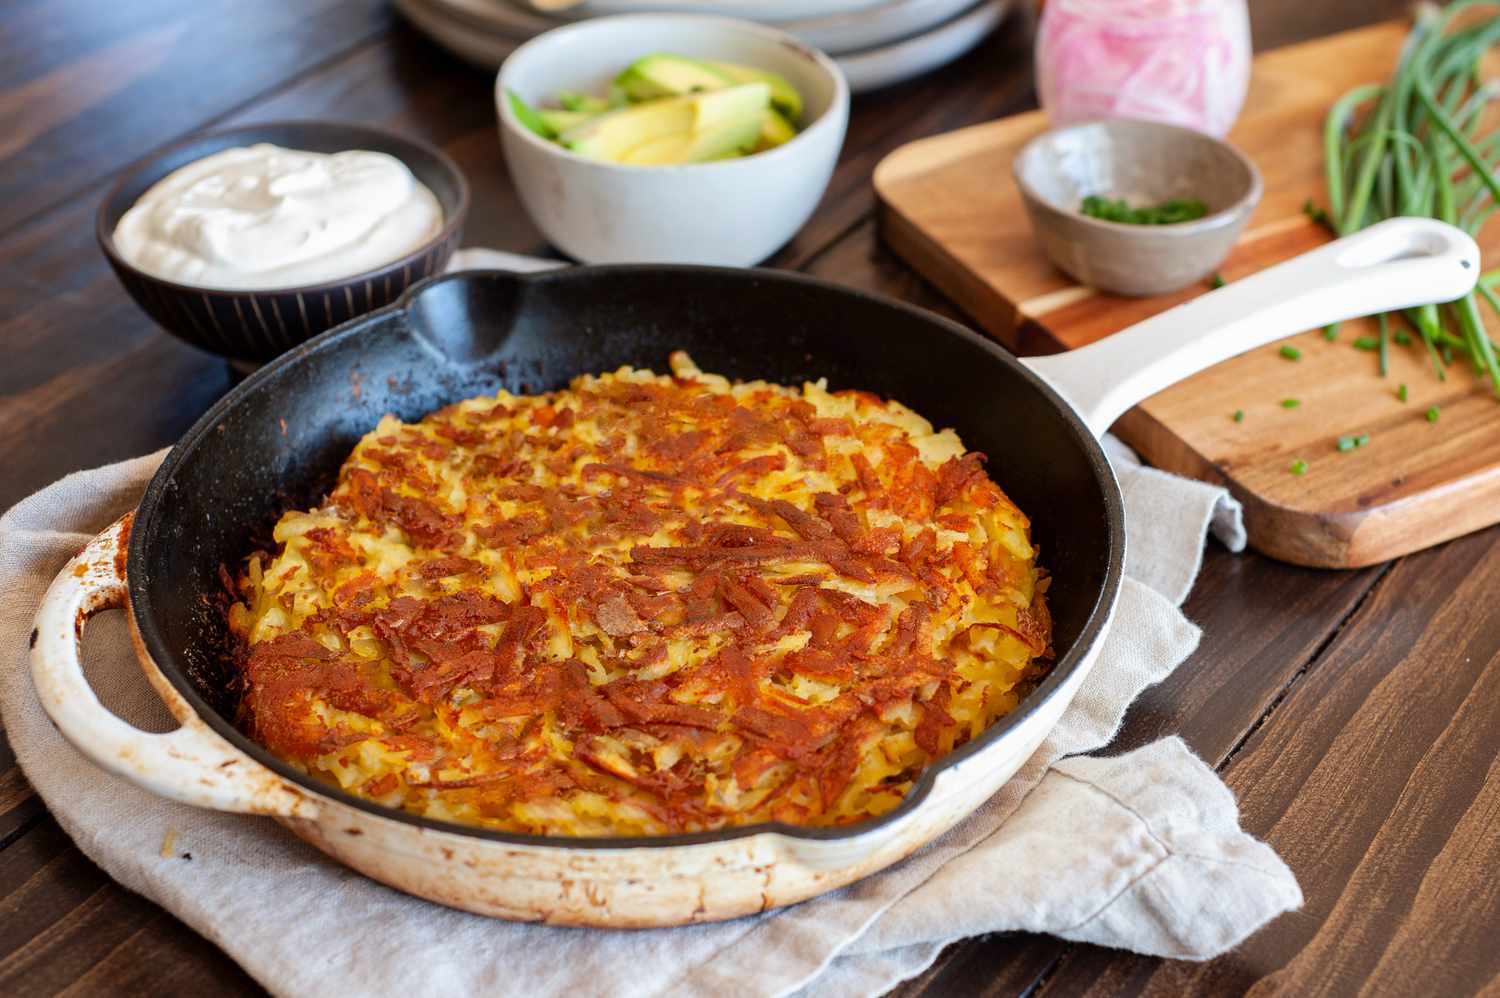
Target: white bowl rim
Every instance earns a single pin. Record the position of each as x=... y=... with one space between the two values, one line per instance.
x=837 y=108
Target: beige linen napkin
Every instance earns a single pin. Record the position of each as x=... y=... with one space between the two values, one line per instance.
x=1141 y=851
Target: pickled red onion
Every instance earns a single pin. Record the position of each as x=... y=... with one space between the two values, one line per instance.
x=1186 y=62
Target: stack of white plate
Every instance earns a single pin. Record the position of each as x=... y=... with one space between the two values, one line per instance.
x=875 y=42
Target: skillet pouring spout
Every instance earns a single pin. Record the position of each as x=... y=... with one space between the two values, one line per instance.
x=1400 y=263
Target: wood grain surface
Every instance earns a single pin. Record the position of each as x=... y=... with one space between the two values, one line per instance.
x=1353 y=712
x=949 y=207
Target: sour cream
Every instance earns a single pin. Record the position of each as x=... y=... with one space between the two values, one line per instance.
x=261 y=217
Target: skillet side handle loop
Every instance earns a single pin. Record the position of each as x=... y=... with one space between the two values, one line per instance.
x=193 y=764
x=1396 y=264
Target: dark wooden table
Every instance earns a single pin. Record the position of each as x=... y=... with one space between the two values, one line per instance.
x=1355 y=714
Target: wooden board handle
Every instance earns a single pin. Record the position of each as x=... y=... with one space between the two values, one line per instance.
x=1396 y=264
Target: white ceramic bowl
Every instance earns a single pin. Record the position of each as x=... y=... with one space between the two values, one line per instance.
x=732 y=212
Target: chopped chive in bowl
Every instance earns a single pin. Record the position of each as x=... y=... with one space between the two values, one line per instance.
x=1166 y=213
x=1291 y=353
x=1290 y=403
x=1299 y=467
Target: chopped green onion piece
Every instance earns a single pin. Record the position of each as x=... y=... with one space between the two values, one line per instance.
x=1330 y=333
x=1361 y=440
x=1291 y=353
x=1346 y=444
x=1367 y=343
x=1239 y=415
x=1433 y=414
x=1384 y=344
x=1299 y=467
x=1216 y=281
x=1317 y=214
x=1401 y=392
x=1290 y=403
x=1167 y=213
x=1403 y=338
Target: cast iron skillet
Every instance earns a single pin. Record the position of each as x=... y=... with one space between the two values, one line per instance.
x=276 y=442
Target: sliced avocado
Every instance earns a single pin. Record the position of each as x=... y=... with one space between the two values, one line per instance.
x=610 y=135
x=665 y=75
x=530 y=117
x=583 y=102
x=784 y=96
x=732 y=111
x=775 y=130
x=560 y=121
x=732 y=104
x=730 y=137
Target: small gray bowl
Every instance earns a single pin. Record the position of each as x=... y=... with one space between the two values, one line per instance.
x=1146 y=163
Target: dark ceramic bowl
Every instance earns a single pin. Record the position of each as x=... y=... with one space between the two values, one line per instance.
x=251 y=327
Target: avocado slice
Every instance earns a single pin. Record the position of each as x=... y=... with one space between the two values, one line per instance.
x=559 y=121
x=530 y=117
x=582 y=102
x=726 y=112
x=610 y=135
x=784 y=96
x=775 y=130
x=729 y=138
x=665 y=75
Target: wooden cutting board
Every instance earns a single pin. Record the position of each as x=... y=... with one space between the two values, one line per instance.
x=951 y=209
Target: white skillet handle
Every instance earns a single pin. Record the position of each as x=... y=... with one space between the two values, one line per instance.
x=192 y=764
x=1396 y=264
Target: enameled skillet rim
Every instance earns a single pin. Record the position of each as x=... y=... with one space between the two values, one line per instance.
x=204 y=430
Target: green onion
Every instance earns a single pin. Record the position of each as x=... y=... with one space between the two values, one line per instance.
x=1299 y=467
x=1401 y=392
x=1331 y=333
x=1291 y=353
x=1216 y=281
x=1421 y=143
x=1290 y=403
x=1433 y=414
x=1239 y=415
x=1317 y=214
x=1345 y=444
x=1166 y=213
